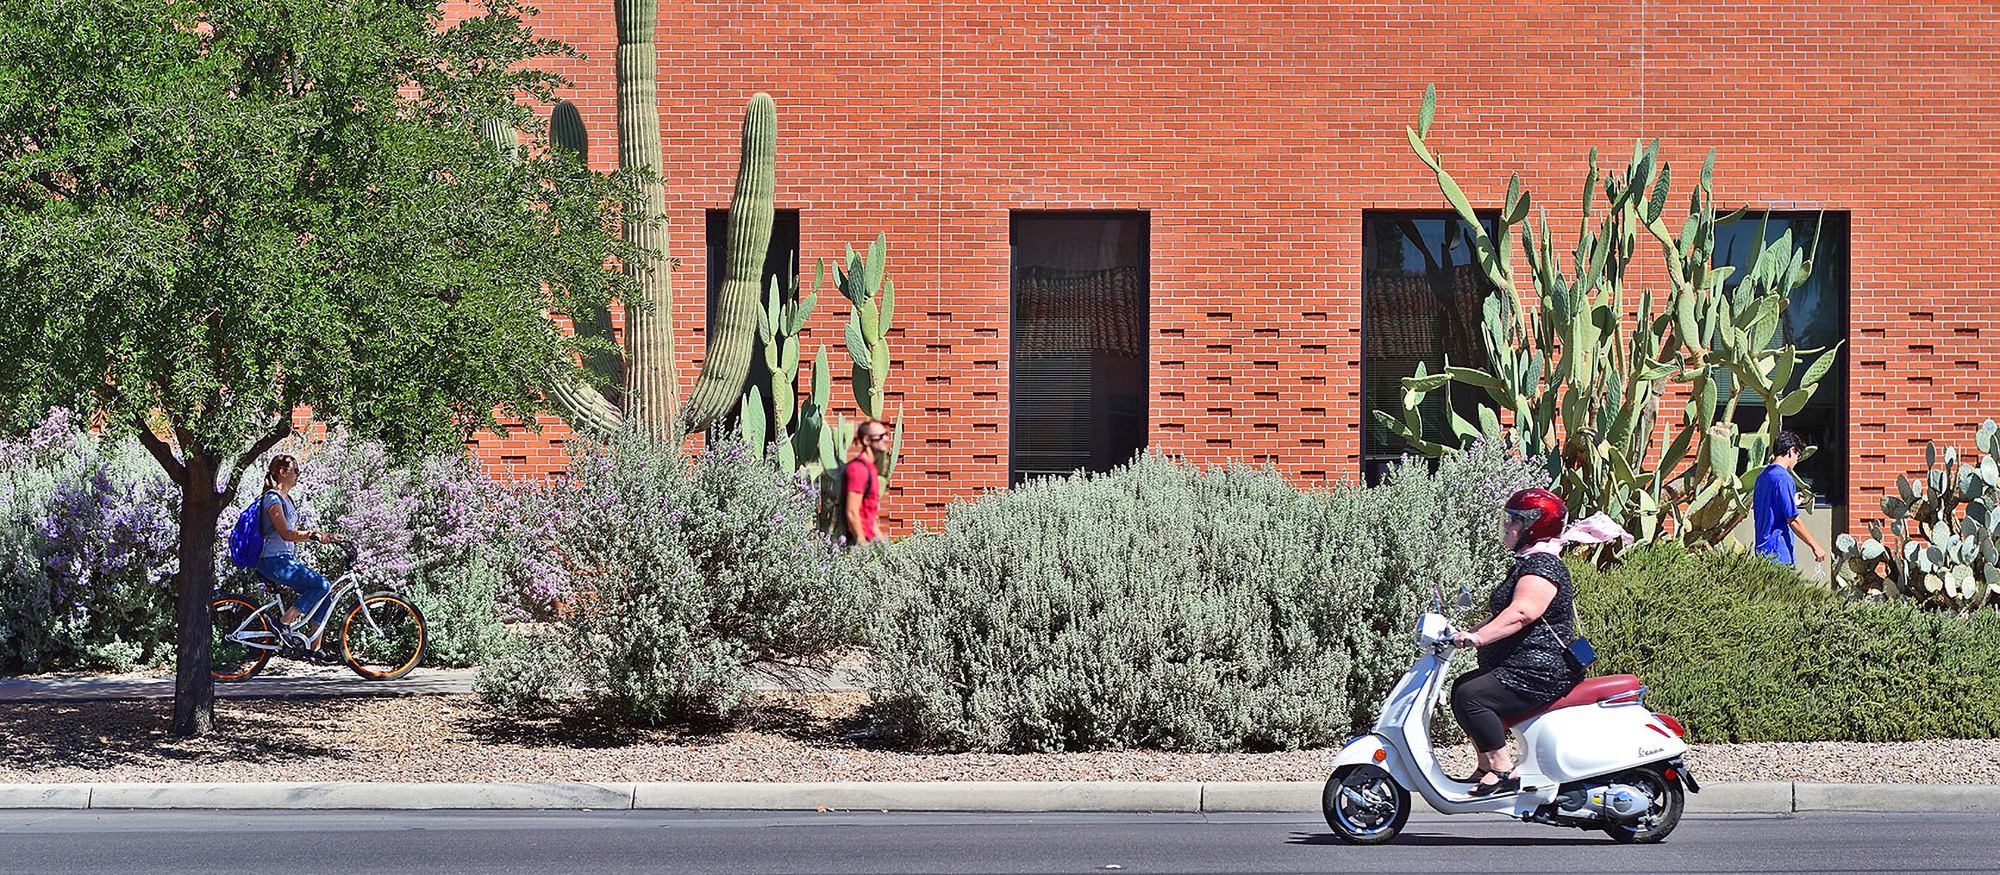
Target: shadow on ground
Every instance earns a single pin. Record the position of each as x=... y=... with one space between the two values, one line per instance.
x=839 y=719
x=1446 y=840
x=115 y=735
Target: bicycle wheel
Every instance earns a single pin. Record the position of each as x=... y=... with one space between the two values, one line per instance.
x=231 y=619
x=382 y=637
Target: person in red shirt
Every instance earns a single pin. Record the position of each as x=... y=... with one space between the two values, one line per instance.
x=864 y=499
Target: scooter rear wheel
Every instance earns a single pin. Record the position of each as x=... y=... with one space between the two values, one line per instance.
x=1662 y=814
x=1365 y=805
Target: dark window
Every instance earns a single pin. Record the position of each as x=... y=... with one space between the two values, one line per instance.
x=1079 y=341
x=1815 y=317
x=781 y=259
x=1422 y=293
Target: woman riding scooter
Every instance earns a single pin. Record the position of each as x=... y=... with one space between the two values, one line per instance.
x=1593 y=756
x=1524 y=662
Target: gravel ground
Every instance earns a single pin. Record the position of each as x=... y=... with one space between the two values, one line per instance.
x=791 y=737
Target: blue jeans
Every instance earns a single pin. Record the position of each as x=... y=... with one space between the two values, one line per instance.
x=290 y=573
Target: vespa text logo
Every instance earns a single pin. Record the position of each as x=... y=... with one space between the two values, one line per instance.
x=1649 y=751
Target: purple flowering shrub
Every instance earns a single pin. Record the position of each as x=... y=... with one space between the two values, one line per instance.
x=684 y=570
x=665 y=573
x=354 y=488
x=87 y=538
x=88 y=530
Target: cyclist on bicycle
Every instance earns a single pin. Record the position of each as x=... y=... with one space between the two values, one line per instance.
x=279 y=563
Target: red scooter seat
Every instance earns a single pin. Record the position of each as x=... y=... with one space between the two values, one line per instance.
x=1590 y=692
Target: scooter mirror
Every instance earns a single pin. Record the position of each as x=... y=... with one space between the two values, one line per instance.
x=1464 y=598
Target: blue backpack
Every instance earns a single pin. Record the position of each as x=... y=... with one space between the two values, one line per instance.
x=246 y=539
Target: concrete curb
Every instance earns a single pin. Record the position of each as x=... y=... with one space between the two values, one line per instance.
x=1161 y=796
x=1744 y=797
x=44 y=795
x=1748 y=797
x=344 y=794
x=1895 y=797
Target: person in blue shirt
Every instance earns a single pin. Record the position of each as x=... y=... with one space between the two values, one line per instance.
x=280 y=563
x=1775 y=504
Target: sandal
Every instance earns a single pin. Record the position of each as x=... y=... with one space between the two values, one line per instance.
x=1510 y=782
x=1473 y=778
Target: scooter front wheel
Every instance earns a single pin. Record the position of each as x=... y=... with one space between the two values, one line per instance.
x=1663 y=810
x=1365 y=805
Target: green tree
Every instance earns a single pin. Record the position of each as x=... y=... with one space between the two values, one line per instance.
x=214 y=213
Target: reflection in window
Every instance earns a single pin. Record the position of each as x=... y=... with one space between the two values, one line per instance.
x=1422 y=295
x=1078 y=372
x=1815 y=317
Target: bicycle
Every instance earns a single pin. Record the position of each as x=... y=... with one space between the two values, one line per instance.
x=381 y=636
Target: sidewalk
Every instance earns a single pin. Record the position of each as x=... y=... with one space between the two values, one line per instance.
x=422 y=682
x=1761 y=797
x=315 y=682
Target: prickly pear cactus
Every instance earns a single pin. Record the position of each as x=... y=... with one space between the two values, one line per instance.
x=799 y=433
x=778 y=348
x=873 y=298
x=1942 y=546
x=737 y=311
x=1581 y=379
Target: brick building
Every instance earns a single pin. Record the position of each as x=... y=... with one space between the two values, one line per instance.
x=1197 y=227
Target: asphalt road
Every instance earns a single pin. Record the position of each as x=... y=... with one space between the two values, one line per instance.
x=169 y=842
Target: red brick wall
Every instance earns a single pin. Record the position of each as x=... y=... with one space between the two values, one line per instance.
x=1256 y=134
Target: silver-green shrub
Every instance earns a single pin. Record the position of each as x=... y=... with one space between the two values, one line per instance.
x=688 y=569
x=1168 y=606
x=529 y=671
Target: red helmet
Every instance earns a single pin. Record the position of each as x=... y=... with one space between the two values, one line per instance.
x=1541 y=511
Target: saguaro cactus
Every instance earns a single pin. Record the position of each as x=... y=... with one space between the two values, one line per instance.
x=651 y=401
x=1584 y=376
x=566 y=130
x=652 y=384
x=737 y=311
x=502 y=136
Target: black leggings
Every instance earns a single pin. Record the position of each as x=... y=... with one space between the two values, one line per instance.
x=1480 y=700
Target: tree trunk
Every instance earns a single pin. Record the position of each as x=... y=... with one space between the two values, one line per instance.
x=194 y=687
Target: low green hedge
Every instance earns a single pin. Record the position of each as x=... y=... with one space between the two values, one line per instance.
x=1742 y=649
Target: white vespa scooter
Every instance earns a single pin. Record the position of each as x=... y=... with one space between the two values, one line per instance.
x=1594 y=759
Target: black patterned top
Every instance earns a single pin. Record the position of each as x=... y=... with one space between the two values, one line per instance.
x=1533 y=661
